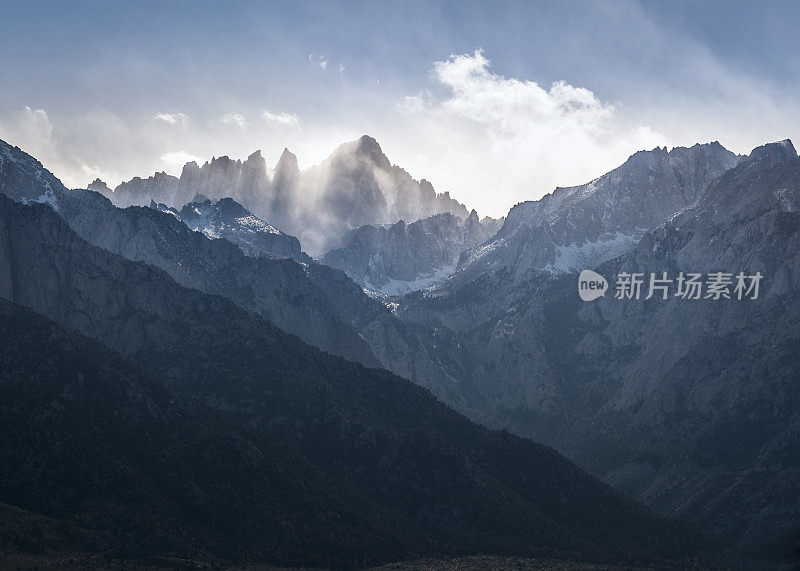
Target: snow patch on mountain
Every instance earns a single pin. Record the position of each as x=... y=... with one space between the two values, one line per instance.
x=393 y=287
x=575 y=257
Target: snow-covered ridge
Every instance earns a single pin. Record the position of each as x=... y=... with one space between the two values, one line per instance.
x=586 y=225
x=228 y=219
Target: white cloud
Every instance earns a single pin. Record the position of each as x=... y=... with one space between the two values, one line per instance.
x=519 y=109
x=38 y=123
x=288 y=119
x=413 y=104
x=181 y=119
x=342 y=68
x=94 y=172
x=495 y=141
x=176 y=160
x=233 y=119
x=319 y=61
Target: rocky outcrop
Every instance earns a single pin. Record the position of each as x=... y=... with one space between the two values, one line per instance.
x=286 y=206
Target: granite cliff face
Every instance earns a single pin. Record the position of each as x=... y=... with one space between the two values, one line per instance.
x=356 y=185
x=161 y=186
x=398 y=258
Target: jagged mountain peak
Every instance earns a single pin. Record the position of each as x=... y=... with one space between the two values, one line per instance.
x=223 y=161
x=255 y=162
x=189 y=167
x=752 y=181
x=100 y=186
x=365 y=148
x=369 y=145
x=654 y=157
x=230 y=208
x=355 y=185
x=162 y=175
x=287 y=162
x=226 y=218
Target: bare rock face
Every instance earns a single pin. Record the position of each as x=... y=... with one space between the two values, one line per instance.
x=398 y=258
x=711 y=382
x=269 y=287
x=360 y=186
x=689 y=406
x=356 y=185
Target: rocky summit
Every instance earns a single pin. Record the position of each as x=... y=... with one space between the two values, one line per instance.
x=356 y=185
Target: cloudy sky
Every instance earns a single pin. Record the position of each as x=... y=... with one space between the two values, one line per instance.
x=497 y=102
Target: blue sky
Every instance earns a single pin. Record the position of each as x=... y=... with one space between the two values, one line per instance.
x=496 y=102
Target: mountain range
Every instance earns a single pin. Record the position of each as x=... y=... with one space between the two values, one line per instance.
x=686 y=405
x=426 y=480
x=319 y=304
